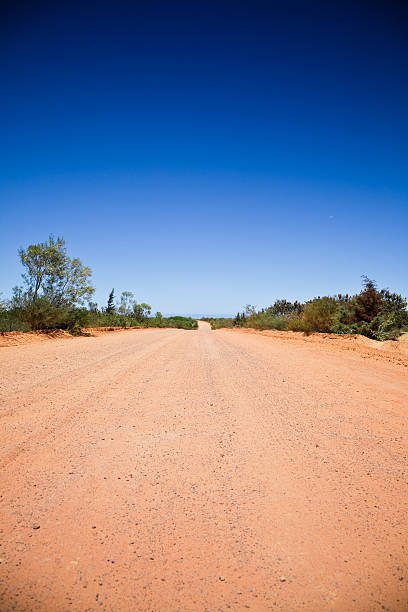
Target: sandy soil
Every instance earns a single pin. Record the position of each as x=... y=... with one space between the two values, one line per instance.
x=394 y=351
x=18 y=338
x=166 y=470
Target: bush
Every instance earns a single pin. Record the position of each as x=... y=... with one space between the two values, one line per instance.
x=219 y=322
x=342 y=319
x=395 y=305
x=266 y=320
x=296 y=324
x=76 y=320
x=10 y=320
x=388 y=328
x=319 y=314
x=39 y=314
x=179 y=322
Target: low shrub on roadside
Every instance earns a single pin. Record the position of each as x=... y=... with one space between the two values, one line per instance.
x=377 y=314
x=219 y=322
x=318 y=315
x=265 y=320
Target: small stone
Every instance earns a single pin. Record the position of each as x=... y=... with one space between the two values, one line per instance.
x=222 y=578
x=36 y=526
x=282 y=579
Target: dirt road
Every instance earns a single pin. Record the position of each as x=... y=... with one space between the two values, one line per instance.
x=165 y=470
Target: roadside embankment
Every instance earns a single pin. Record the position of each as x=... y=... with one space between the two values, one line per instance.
x=15 y=338
x=394 y=351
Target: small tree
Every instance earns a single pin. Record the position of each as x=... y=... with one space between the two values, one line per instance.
x=126 y=303
x=249 y=310
x=93 y=307
x=368 y=303
x=53 y=284
x=110 y=308
x=141 y=311
x=283 y=308
x=319 y=314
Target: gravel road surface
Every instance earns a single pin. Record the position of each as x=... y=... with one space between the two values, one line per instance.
x=163 y=470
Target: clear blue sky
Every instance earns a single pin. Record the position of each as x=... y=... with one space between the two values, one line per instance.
x=208 y=154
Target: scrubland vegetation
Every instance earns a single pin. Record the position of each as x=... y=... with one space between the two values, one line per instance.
x=57 y=293
x=375 y=313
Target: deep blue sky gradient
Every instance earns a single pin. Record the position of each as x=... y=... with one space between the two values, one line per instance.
x=208 y=154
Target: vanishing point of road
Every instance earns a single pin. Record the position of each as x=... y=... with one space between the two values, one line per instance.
x=164 y=470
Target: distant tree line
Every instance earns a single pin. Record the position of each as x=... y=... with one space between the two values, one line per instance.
x=375 y=313
x=56 y=293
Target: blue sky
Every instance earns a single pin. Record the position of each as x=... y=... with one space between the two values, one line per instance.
x=208 y=154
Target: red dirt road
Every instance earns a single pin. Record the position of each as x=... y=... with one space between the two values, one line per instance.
x=164 y=470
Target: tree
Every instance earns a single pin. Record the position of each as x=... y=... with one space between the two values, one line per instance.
x=126 y=303
x=368 y=303
x=54 y=284
x=141 y=311
x=93 y=307
x=110 y=308
x=52 y=276
x=283 y=308
x=249 y=310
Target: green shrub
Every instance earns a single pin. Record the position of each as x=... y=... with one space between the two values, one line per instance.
x=394 y=304
x=319 y=314
x=39 y=313
x=388 y=328
x=219 y=322
x=296 y=324
x=76 y=320
x=10 y=320
x=266 y=320
x=179 y=322
x=342 y=319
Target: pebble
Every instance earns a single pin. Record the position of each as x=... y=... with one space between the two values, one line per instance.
x=222 y=578
x=35 y=526
x=282 y=579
